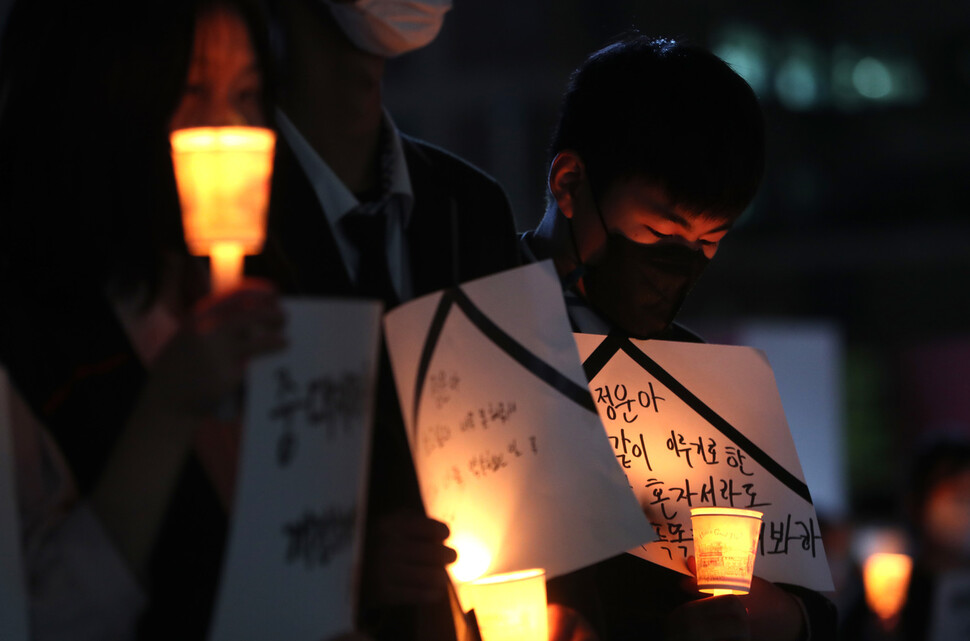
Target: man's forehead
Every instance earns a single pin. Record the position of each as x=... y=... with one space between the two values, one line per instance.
x=639 y=196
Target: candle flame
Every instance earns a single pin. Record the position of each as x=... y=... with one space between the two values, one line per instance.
x=473 y=560
x=886 y=578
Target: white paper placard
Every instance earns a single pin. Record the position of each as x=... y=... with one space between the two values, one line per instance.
x=507 y=444
x=13 y=600
x=296 y=533
x=702 y=425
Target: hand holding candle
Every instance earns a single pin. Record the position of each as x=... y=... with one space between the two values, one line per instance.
x=223 y=176
x=510 y=606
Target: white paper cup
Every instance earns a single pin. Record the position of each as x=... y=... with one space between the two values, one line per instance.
x=509 y=607
x=725 y=546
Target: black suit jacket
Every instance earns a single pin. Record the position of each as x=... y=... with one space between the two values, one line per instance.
x=461 y=228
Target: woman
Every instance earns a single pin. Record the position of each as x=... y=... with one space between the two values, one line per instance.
x=106 y=330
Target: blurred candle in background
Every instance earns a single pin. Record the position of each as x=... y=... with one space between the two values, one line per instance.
x=223 y=176
x=886 y=579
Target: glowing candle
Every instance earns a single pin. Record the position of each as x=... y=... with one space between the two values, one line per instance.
x=886 y=579
x=223 y=176
x=473 y=558
x=509 y=607
x=725 y=546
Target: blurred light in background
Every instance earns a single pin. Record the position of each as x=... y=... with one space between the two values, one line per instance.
x=803 y=75
x=745 y=49
x=798 y=77
x=871 y=78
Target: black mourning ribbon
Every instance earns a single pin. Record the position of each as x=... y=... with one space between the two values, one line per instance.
x=455 y=297
x=368 y=233
x=618 y=341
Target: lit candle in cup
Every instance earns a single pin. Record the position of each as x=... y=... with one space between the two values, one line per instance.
x=223 y=176
x=886 y=579
x=725 y=546
x=509 y=607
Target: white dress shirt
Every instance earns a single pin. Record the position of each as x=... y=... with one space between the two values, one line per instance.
x=396 y=199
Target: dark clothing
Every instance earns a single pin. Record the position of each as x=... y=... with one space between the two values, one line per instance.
x=626 y=598
x=461 y=228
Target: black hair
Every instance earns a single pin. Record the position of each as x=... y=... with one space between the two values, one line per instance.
x=669 y=112
x=939 y=457
x=88 y=197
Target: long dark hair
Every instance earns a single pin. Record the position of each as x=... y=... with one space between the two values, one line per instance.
x=87 y=191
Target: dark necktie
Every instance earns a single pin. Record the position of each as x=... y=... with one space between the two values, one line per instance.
x=368 y=233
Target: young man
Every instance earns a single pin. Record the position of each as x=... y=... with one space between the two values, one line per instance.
x=359 y=209
x=658 y=151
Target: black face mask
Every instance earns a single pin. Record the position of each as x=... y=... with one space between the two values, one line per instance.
x=640 y=287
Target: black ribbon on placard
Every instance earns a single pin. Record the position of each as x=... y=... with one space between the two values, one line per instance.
x=617 y=341
x=455 y=297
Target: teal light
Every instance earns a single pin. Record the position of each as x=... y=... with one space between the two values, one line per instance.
x=743 y=48
x=797 y=84
x=872 y=79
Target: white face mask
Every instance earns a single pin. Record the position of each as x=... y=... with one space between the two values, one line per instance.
x=388 y=28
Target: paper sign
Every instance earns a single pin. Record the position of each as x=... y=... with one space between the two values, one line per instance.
x=507 y=444
x=951 y=608
x=698 y=425
x=13 y=601
x=296 y=530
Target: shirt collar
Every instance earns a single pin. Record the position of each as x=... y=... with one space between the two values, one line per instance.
x=335 y=198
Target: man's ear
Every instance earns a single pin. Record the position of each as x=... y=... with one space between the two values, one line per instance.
x=566 y=174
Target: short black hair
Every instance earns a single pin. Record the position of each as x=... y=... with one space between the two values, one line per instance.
x=669 y=112
x=939 y=457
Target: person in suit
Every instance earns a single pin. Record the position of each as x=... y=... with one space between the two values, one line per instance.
x=360 y=209
x=658 y=151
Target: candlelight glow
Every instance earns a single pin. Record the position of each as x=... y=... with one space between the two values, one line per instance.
x=473 y=558
x=223 y=176
x=227 y=266
x=725 y=547
x=510 y=607
x=886 y=578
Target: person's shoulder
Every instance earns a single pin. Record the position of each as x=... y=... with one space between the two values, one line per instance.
x=425 y=156
x=679 y=333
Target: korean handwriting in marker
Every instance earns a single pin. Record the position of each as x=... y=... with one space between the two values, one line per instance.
x=628 y=450
x=780 y=535
x=334 y=403
x=434 y=437
x=489 y=462
x=490 y=415
x=441 y=386
x=626 y=404
x=736 y=459
x=672 y=538
x=315 y=538
x=668 y=497
x=700 y=450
